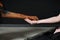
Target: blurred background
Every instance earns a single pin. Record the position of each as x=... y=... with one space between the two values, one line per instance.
x=21 y=33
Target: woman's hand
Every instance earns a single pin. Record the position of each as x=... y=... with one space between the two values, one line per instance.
x=31 y=21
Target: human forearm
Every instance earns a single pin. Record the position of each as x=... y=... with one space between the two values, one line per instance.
x=8 y=14
x=50 y=20
x=14 y=15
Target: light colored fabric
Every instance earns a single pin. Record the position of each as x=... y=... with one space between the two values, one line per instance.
x=57 y=30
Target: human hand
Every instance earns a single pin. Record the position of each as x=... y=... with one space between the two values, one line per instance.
x=30 y=21
x=32 y=18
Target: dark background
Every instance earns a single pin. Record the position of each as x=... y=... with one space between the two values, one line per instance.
x=41 y=8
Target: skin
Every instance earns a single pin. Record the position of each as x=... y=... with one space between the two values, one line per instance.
x=17 y=15
x=48 y=20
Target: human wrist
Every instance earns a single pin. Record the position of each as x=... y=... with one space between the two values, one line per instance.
x=39 y=22
x=24 y=16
